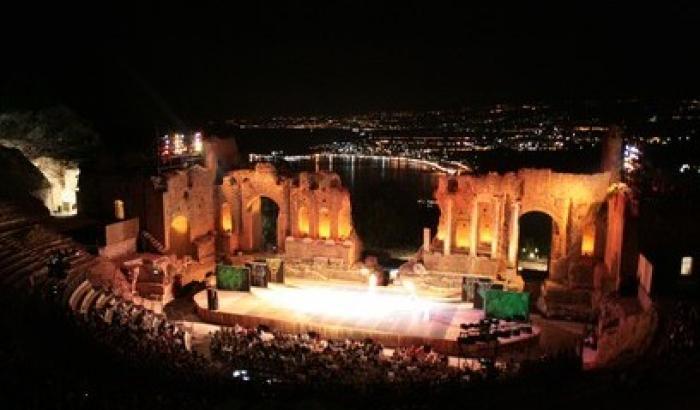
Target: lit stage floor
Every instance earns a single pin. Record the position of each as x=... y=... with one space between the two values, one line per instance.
x=392 y=315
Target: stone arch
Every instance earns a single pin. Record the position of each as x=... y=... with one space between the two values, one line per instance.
x=245 y=187
x=558 y=249
x=542 y=209
x=254 y=215
x=535 y=244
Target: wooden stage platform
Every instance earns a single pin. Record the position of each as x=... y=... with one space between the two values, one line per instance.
x=391 y=315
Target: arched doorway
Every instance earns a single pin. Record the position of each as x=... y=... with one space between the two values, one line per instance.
x=269 y=211
x=535 y=249
x=261 y=221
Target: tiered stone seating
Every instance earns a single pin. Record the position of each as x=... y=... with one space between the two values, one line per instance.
x=89 y=301
x=25 y=249
x=29 y=261
x=76 y=297
x=14 y=219
x=71 y=285
x=102 y=298
x=85 y=297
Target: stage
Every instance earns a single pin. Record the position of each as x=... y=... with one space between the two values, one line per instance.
x=394 y=315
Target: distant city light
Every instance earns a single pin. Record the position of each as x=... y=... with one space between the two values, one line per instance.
x=686 y=265
x=631 y=159
x=179 y=148
x=197 y=142
x=178 y=144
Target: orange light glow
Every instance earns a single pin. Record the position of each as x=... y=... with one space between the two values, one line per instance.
x=324 y=224
x=462 y=235
x=347 y=302
x=179 y=224
x=588 y=241
x=440 y=234
x=119 y=209
x=303 y=221
x=226 y=220
x=485 y=235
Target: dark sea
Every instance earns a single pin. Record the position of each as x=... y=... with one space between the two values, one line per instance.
x=391 y=199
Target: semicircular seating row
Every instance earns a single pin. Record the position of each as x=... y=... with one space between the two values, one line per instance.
x=85 y=297
x=25 y=249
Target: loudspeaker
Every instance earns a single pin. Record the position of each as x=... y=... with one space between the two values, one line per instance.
x=260 y=274
x=212 y=299
x=478 y=300
x=276 y=268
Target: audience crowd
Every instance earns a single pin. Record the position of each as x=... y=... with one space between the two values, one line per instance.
x=275 y=357
x=682 y=330
x=265 y=358
x=146 y=338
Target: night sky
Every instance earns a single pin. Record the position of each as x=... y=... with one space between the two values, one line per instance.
x=126 y=67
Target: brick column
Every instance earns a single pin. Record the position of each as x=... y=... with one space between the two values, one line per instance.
x=514 y=234
x=474 y=237
x=447 y=242
x=426 y=239
x=497 y=227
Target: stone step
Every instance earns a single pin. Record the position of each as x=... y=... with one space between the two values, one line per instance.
x=76 y=297
x=15 y=223
x=88 y=302
x=25 y=260
x=71 y=284
x=37 y=279
x=41 y=252
x=21 y=259
x=24 y=272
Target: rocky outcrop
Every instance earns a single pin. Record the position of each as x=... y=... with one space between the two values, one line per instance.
x=20 y=177
x=53 y=141
x=56 y=133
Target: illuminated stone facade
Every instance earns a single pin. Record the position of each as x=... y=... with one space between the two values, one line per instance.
x=189 y=212
x=314 y=216
x=478 y=231
x=202 y=219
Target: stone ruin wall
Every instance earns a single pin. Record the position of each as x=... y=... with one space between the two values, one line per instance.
x=200 y=213
x=485 y=211
x=189 y=195
x=195 y=218
x=314 y=220
x=239 y=197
